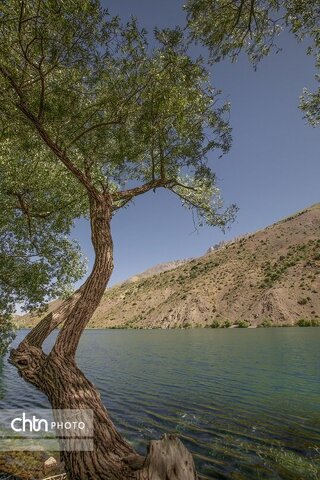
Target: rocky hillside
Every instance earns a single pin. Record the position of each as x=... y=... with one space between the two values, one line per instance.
x=268 y=277
x=160 y=268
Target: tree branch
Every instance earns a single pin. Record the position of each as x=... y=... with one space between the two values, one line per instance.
x=51 y=321
x=27 y=208
x=127 y=195
x=133 y=192
x=93 y=127
x=56 y=150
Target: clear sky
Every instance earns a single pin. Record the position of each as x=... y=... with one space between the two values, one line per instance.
x=273 y=168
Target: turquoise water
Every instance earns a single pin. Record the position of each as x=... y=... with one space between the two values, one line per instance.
x=245 y=402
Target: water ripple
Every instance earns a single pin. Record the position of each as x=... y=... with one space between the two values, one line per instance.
x=246 y=403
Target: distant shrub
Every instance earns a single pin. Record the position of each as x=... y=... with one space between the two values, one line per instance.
x=266 y=323
x=308 y=322
x=243 y=324
x=302 y=301
x=215 y=324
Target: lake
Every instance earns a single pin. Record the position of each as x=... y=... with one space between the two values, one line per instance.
x=246 y=402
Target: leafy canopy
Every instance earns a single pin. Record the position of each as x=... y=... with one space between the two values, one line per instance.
x=88 y=105
x=228 y=27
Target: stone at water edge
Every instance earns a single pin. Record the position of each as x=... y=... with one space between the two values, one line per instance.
x=49 y=465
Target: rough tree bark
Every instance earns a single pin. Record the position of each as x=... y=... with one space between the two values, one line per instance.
x=66 y=387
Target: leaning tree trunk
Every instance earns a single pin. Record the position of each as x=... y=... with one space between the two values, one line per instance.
x=66 y=387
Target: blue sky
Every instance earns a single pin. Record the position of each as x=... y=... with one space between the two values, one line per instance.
x=273 y=168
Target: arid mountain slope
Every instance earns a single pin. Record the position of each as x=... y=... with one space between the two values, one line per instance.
x=271 y=276
x=160 y=268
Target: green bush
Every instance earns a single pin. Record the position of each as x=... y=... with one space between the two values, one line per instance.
x=215 y=324
x=308 y=322
x=266 y=323
x=243 y=324
x=302 y=301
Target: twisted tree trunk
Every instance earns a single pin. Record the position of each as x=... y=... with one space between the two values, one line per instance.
x=66 y=387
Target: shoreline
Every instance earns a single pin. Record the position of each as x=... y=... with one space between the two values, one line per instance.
x=231 y=327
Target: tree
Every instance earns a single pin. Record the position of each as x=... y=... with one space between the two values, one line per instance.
x=228 y=27
x=6 y=334
x=92 y=117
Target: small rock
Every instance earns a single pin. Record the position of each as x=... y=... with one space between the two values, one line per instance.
x=49 y=465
